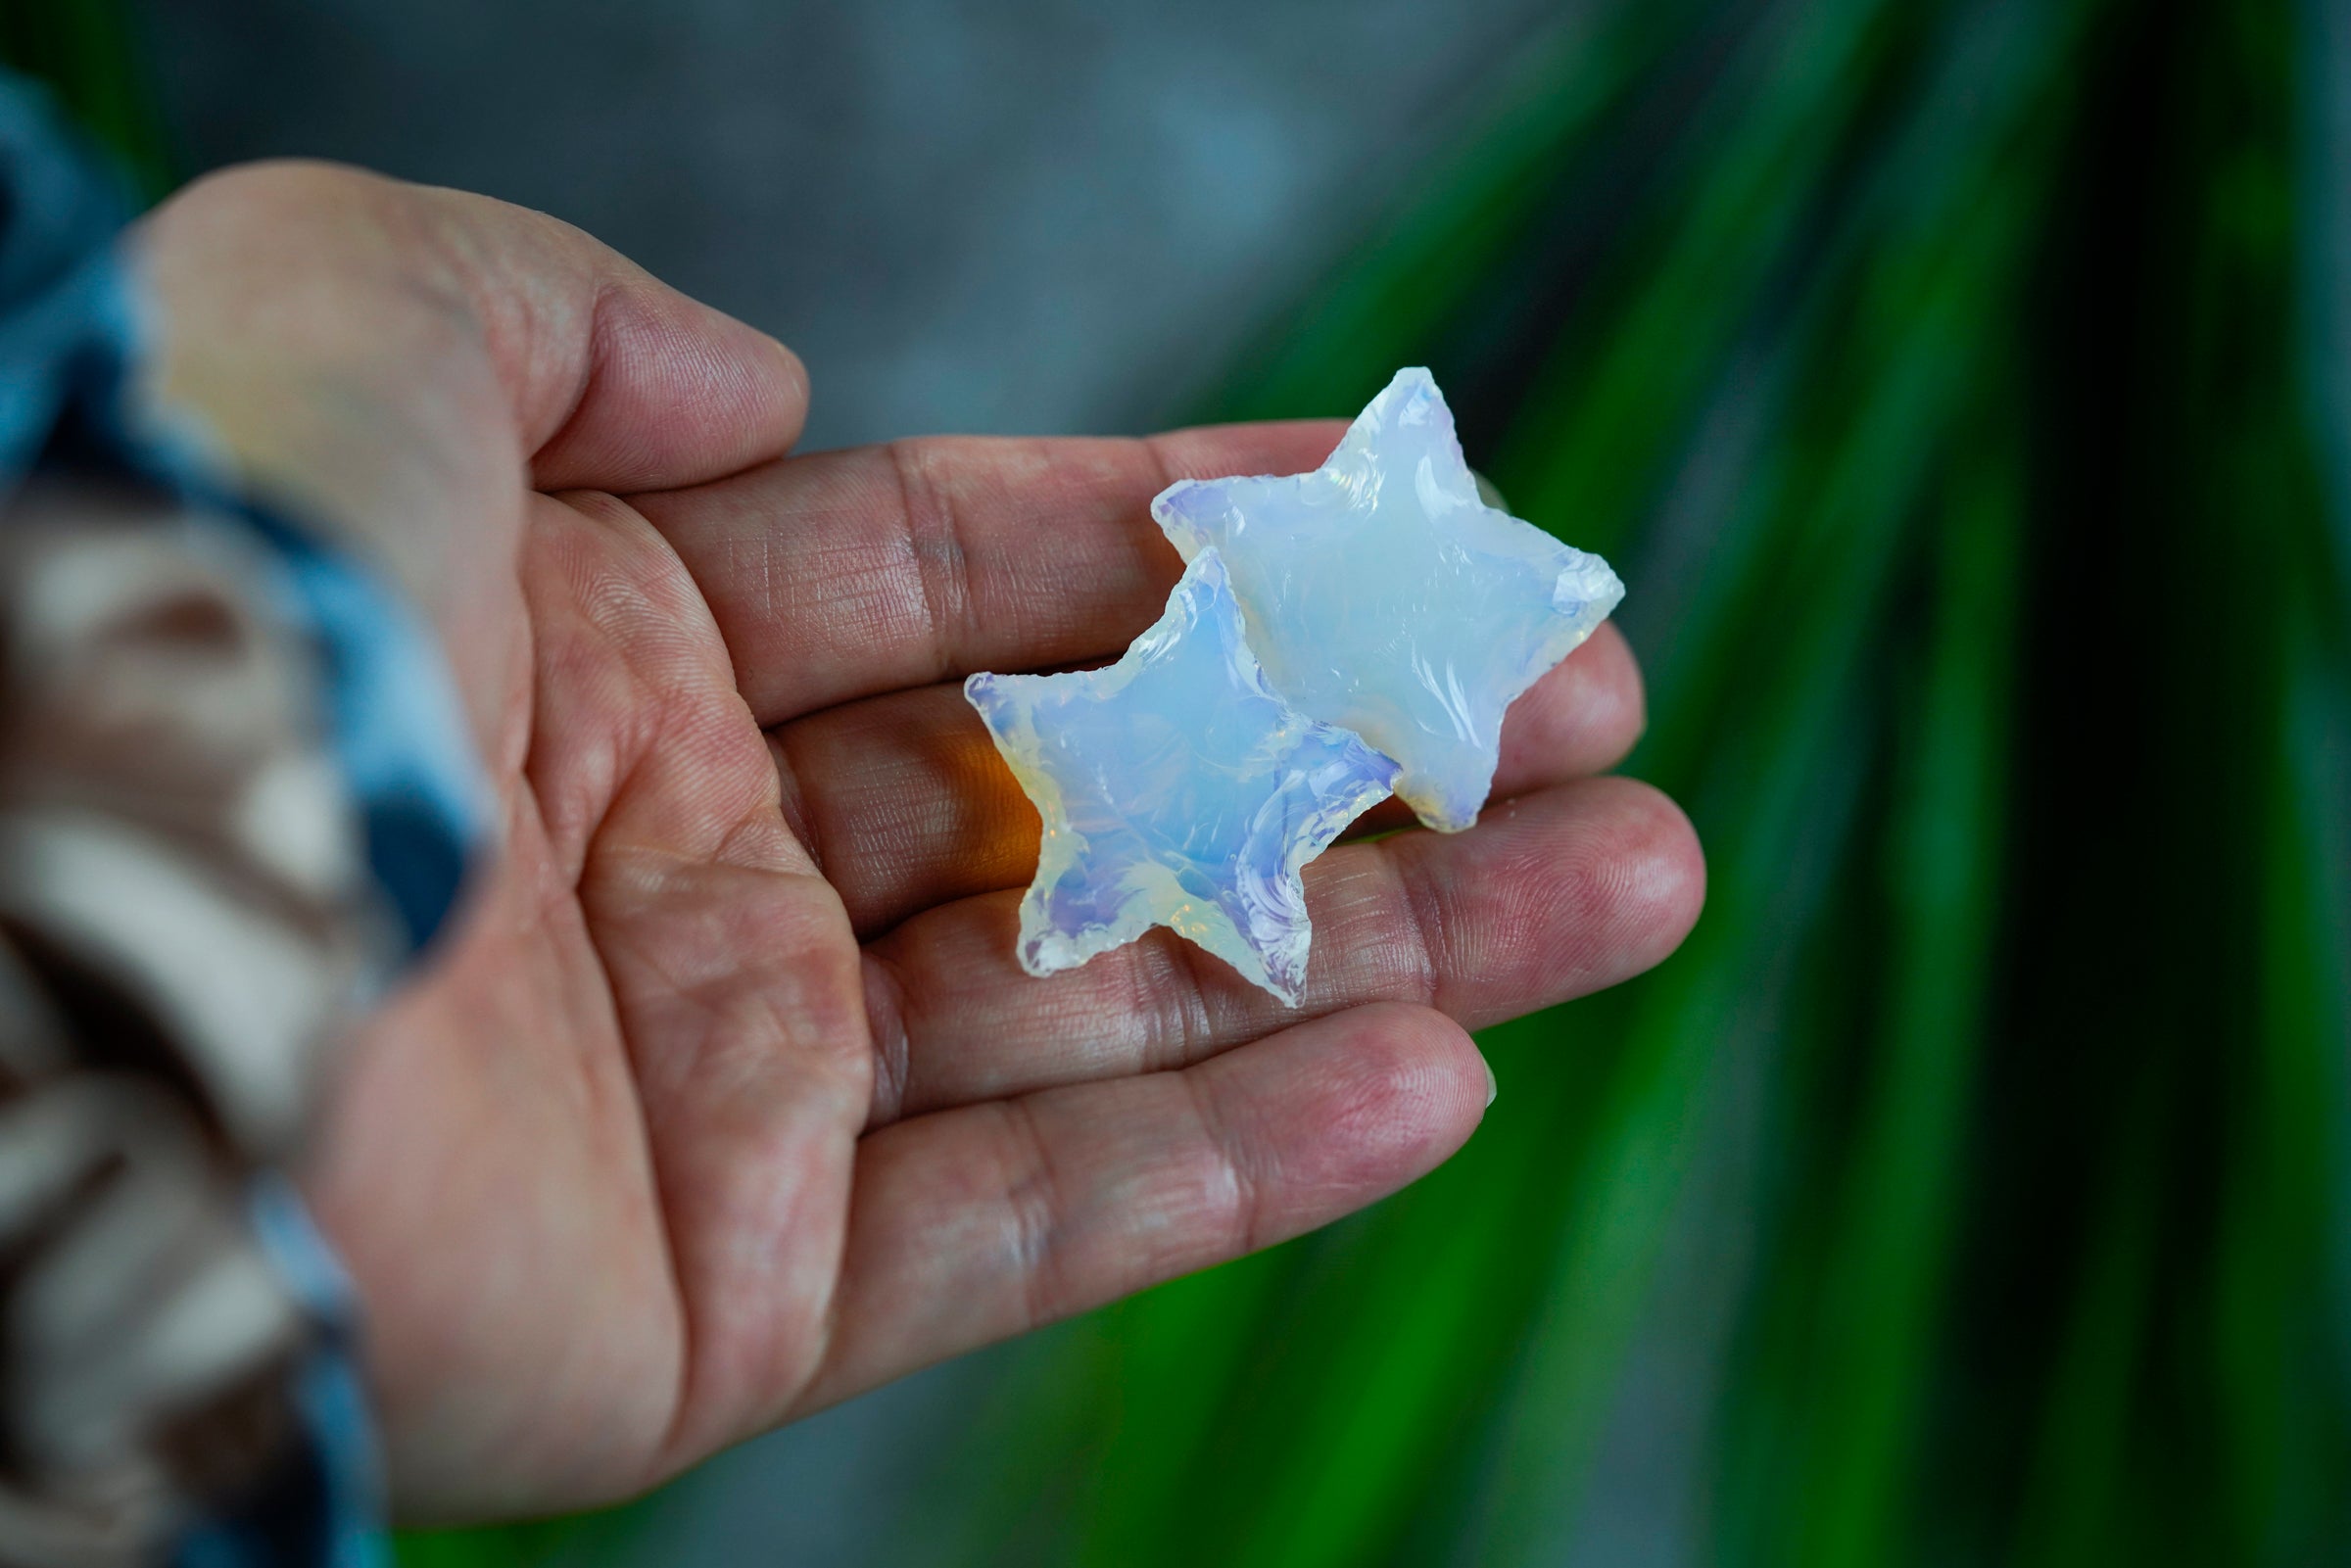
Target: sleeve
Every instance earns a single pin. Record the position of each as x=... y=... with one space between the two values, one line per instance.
x=236 y=798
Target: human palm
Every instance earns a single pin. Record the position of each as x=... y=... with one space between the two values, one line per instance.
x=724 y=1098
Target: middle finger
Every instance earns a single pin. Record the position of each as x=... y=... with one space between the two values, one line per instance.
x=905 y=804
x=1551 y=895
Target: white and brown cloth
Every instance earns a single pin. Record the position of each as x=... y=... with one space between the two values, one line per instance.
x=234 y=801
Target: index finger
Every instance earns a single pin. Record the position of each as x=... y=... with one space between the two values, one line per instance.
x=848 y=574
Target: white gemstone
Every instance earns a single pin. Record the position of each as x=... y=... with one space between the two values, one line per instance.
x=1176 y=790
x=1381 y=595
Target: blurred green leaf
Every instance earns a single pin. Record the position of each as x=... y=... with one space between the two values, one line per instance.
x=90 y=55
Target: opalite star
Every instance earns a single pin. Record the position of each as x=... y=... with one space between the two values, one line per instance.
x=1381 y=595
x=1176 y=790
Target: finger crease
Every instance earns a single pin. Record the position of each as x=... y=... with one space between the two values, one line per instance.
x=1423 y=906
x=885 y=1023
x=792 y=798
x=1182 y=1034
x=1035 y=1204
x=934 y=541
x=591 y=367
x=1152 y=446
x=1244 y=1194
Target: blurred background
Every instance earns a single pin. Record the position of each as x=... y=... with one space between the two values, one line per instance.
x=1963 y=388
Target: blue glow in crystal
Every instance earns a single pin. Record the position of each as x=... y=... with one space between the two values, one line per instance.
x=1176 y=789
x=1381 y=593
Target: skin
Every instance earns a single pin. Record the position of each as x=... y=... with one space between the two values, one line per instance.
x=724 y=1099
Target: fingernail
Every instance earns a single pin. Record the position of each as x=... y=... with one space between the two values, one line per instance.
x=1493 y=1088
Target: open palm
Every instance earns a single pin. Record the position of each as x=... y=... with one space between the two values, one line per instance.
x=725 y=1099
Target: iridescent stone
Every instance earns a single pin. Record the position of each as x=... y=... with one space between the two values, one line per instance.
x=1381 y=593
x=1176 y=789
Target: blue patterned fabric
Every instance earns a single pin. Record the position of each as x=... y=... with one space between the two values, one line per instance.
x=70 y=333
x=319 y=1511
x=70 y=329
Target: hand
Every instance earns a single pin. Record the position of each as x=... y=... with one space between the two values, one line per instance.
x=725 y=1099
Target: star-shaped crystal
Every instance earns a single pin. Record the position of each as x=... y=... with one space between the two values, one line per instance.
x=1381 y=593
x=1176 y=789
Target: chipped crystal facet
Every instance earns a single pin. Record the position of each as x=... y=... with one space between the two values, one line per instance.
x=1381 y=595
x=1176 y=789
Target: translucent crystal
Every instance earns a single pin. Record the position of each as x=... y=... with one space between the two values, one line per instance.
x=1176 y=789
x=1381 y=595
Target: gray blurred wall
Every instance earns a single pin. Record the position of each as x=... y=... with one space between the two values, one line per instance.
x=1024 y=215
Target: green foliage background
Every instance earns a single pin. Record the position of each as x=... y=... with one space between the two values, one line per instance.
x=1936 y=372
x=1940 y=374
x=87 y=53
